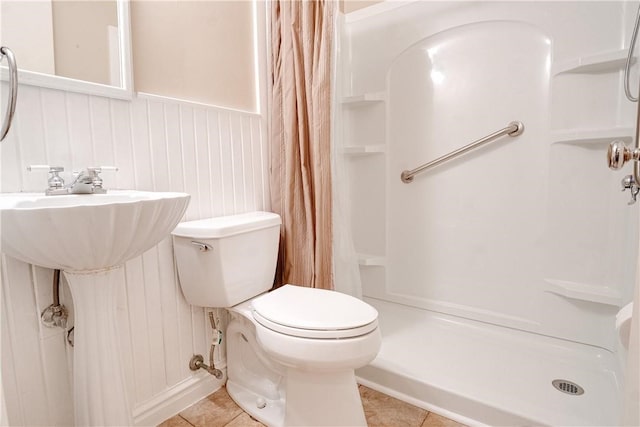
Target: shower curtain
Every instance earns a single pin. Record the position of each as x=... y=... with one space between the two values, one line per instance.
x=300 y=163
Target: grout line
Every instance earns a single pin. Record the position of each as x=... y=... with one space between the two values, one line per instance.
x=185 y=420
x=233 y=419
x=424 y=420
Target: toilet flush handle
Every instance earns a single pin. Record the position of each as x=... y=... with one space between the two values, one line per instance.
x=203 y=247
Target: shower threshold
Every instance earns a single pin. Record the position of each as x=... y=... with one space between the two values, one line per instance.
x=482 y=374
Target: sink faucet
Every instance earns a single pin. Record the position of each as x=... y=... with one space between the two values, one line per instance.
x=87 y=181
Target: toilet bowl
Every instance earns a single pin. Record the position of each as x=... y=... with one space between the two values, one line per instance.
x=291 y=352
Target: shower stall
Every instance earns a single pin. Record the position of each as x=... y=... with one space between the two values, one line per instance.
x=499 y=274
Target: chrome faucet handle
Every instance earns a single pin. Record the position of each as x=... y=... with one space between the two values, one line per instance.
x=107 y=168
x=94 y=172
x=56 y=169
x=98 y=169
x=96 y=181
x=55 y=182
x=618 y=154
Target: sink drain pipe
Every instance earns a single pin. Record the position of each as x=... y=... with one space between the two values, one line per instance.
x=55 y=315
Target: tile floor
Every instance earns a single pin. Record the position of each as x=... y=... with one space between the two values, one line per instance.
x=218 y=410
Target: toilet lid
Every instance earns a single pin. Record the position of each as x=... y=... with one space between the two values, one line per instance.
x=314 y=313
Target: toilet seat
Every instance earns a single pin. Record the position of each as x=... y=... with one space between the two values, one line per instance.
x=314 y=313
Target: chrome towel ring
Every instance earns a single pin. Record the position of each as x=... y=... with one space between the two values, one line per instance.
x=13 y=90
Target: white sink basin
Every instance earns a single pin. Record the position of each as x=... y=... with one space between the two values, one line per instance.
x=88 y=231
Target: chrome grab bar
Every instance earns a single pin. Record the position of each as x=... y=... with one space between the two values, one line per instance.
x=513 y=129
x=13 y=90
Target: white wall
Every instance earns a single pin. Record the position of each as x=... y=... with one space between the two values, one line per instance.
x=531 y=233
x=217 y=155
x=199 y=50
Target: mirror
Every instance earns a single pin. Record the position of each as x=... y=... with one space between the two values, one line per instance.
x=77 y=45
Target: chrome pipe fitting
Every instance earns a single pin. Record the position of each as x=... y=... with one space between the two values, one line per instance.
x=197 y=362
x=55 y=315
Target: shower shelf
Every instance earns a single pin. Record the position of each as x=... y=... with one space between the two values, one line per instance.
x=364 y=99
x=592 y=64
x=367 y=260
x=585 y=292
x=364 y=149
x=591 y=136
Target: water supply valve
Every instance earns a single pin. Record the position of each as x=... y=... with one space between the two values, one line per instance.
x=629 y=183
x=54 y=316
x=197 y=361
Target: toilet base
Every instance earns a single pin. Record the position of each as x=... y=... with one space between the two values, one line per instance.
x=272 y=414
x=323 y=399
x=294 y=396
x=314 y=400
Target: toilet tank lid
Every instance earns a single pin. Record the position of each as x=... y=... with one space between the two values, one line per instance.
x=225 y=226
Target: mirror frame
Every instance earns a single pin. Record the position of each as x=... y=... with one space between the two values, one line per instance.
x=33 y=78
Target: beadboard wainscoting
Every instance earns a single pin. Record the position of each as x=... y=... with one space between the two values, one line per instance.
x=219 y=156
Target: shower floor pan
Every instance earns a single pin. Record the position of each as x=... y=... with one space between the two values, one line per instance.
x=481 y=374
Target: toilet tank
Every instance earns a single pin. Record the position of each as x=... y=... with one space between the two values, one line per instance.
x=226 y=260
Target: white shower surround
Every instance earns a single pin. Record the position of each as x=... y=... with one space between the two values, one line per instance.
x=530 y=233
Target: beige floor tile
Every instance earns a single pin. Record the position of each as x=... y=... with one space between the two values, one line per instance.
x=435 y=420
x=176 y=421
x=217 y=410
x=383 y=410
x=244 y=420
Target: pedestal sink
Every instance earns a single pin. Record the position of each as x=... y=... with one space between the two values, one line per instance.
x=89 y=238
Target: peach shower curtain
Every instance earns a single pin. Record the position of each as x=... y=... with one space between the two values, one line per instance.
x=300 y=173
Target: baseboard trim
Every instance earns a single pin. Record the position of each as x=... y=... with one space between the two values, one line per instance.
x=175 y=399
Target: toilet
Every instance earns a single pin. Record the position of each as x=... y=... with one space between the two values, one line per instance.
x=291 y=352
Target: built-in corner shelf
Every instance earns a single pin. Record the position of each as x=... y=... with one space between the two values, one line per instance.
x=592 y=64
x=592 y=136
x=367 y=260
x=368 y=98
x=364 y=149
x=584 y=292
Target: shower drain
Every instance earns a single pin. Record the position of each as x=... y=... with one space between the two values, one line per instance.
x=568 y=387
